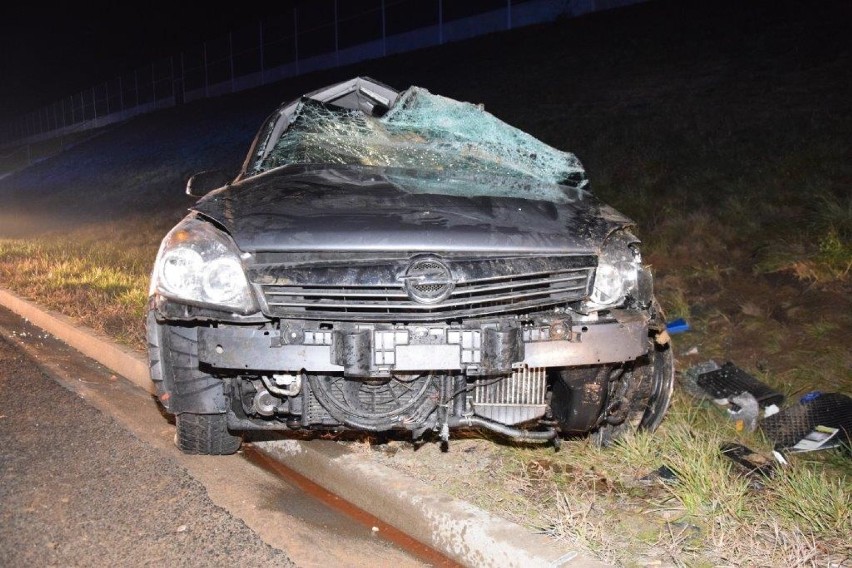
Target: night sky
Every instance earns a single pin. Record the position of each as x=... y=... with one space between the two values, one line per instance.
x=48 y=51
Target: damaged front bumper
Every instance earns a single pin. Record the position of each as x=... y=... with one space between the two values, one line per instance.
x=380 y=350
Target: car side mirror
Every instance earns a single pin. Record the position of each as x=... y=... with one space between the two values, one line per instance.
x=204 y=182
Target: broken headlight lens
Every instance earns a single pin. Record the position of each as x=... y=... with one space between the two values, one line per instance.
x=198 y=264
x=618 y=270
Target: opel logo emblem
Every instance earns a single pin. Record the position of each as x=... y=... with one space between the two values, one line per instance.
x=428 y=280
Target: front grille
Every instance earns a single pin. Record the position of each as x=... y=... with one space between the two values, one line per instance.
x=375 y=290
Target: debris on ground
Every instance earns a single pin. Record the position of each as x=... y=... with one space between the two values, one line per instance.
x=819 y=421
x=742 y=395
x=689 y=378
x=691 y=351
x=751 y=464
x=729 y=381
x=744 y=411
x=663 y=473
x=679 y=325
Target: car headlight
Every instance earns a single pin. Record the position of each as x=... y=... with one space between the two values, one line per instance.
x=619 y=272
x=198 y=264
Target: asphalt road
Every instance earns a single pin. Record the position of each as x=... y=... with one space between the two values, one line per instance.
x=89 y=477
x=79 y=490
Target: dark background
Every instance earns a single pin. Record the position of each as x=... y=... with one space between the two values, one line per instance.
x=51 y=51
x=48 y=52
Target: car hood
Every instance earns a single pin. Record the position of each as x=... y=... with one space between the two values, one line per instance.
x=358 y=208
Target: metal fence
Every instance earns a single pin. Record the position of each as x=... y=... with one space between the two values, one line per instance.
x=314 y=35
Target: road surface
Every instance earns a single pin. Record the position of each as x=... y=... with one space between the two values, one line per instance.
x=89 y=487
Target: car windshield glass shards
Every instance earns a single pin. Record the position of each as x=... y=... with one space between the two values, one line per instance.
x=422 y=132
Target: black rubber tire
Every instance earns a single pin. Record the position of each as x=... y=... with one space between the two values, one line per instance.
x=650 y=401
x=181 y=384
x=205 y=434
x=195 y=398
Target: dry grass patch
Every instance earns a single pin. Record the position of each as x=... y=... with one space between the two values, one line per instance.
x=97 y=274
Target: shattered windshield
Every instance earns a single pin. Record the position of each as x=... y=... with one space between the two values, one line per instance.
x=422 y=132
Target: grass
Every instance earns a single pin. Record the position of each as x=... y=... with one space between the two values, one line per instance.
x=97 y=274
x=808 y=497
x=822 y=253
x=736 y=170
x=609 y=502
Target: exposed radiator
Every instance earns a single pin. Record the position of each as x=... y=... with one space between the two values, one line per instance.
x=517 y=398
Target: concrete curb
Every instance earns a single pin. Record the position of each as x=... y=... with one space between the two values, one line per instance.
x=457 y=529
x=120 y=359
x=461 y=531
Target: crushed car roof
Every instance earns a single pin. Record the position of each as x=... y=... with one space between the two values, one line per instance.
x=362 y=122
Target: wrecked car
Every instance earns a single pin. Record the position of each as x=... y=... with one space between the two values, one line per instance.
x=402 y=261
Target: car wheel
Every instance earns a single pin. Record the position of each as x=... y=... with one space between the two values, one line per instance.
x=651 y=394
x=197 y=399
x=205 y=434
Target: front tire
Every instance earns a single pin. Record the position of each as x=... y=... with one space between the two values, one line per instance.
x=651 y=394
x=197 y=399
x=205 y=434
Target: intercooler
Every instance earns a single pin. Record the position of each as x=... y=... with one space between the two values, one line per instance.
x=515 y=399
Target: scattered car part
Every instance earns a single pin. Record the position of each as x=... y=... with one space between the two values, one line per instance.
x=756 y=467
x=730 y=380
x=753 y=462
x=679 y=325
x=744 y=411
x=663 y=473
x=819 y=415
